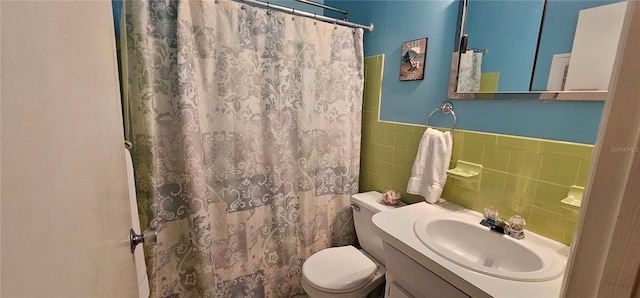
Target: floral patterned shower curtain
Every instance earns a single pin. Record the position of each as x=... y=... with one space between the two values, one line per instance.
x=246 y=142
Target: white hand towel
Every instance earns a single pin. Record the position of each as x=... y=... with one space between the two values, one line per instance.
x=429 y=172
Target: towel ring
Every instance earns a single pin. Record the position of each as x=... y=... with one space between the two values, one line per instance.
x=446 y=108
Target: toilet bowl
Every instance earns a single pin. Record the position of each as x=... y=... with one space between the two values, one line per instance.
x=344 y=272
x=348 y=272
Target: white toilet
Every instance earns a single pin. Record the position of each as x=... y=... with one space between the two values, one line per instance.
x=347 y=271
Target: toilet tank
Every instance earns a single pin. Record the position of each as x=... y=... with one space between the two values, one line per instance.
x=368 y=204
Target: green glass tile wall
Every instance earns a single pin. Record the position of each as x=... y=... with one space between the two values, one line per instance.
x=520 y=175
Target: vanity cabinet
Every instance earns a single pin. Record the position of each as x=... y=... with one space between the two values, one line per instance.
x=415 y=270
x=406 y=278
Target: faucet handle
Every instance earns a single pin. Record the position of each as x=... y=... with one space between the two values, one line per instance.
x=490 y=213
x=516 y=227
x=517 y=223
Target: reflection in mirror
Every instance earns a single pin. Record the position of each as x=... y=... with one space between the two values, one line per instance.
x=543 y=49
x=579 y=38
x=507 y=31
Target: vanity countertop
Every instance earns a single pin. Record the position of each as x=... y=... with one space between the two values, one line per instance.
x=396 y=228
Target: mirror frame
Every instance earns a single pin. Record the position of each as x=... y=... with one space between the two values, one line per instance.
x=536 y=95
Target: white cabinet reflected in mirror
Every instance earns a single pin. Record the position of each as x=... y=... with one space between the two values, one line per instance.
x=536 y=49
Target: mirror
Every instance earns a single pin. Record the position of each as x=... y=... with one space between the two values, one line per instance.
x=536 y=49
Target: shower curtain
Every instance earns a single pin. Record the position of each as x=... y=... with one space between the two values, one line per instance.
x=245 y=126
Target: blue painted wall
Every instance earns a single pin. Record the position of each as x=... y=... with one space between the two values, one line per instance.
x=509 y=31
x=561 y=18
x=411 y=102
x=116 y=6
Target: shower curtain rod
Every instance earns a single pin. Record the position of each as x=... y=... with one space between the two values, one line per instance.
x=308 y=14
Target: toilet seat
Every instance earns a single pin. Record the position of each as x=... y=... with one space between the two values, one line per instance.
x=338 y=269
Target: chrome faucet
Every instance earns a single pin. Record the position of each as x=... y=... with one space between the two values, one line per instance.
x=514 y=228
x=496 y=225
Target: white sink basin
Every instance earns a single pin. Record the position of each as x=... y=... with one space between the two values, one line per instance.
x=473 y=246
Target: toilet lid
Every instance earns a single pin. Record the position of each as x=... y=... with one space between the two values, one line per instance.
x=338 y=268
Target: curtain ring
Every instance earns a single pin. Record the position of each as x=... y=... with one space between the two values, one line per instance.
x=315 y=19
x=242 y=7
x=268 y=8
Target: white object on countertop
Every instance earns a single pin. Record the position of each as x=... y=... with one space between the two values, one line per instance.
x=429 y=172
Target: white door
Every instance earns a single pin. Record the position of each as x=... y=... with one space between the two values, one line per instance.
x=64 y=202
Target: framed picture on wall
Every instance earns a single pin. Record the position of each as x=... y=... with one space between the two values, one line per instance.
x=414 y=55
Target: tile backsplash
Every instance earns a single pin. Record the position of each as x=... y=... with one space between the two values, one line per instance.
x=524 y=176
